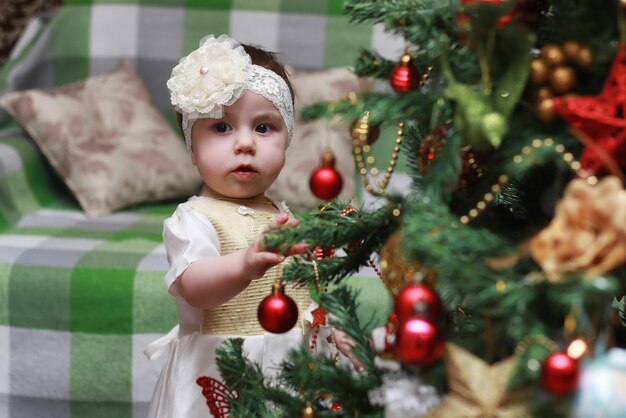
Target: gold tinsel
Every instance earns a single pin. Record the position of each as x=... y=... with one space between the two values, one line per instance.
x=479 y=390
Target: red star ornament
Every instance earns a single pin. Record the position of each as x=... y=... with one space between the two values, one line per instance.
x=601 y=118
x=319 y=317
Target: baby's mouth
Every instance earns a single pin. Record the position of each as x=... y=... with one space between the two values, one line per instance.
x=245 y=171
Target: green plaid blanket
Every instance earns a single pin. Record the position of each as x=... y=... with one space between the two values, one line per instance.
x=80 y=298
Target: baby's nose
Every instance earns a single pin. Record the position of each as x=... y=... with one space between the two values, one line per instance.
x=245 y=142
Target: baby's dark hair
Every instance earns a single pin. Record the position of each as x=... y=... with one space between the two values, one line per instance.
x=268 y=60
x=262 y=58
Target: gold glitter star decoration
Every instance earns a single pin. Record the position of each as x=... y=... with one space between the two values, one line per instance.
x=479 y=390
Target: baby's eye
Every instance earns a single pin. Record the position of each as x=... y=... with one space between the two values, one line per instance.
x=222 y=127
x=264 y=128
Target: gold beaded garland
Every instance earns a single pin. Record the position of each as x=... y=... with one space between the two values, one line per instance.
x=567 y=157
x=536 y=339
x=362 y=157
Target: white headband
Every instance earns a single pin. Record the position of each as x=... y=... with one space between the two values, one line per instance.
x=216 y=75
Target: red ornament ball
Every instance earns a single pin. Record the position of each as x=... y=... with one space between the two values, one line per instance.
x=334 y=406
x=322 y=253
x=326 y=183
x=404 y=77
x=277 y=313
x=418 y=342
x=418 y=300
x=559 y=375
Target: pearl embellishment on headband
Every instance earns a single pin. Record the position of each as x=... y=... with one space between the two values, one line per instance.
x=204 y=70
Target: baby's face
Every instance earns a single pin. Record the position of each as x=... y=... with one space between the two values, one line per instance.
x=241 y=154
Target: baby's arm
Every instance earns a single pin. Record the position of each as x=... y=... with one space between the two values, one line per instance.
x=211 y=281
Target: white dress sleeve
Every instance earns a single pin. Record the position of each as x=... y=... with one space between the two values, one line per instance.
x=187 y=236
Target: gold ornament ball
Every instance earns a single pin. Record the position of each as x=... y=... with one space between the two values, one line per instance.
x=307 y=412
x=539 y=72
x=562 y=79
x=543 y=93
x=552 y=54
x=396 y=271
x=545 y=110
x=584 y=59
x=364 y=132
x=571 y=50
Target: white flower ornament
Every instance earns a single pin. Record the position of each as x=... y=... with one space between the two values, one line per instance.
x=215 y=75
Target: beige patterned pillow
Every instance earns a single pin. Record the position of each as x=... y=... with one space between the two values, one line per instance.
x=110 y=145
x=309 y=139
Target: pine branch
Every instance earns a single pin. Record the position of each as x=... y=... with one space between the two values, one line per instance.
x=412 y=145
x=365 y=232
x=239 y=374
x=456 y=251
x=421 y=23
x=306 y=377
x=417 y=20
x=342 y=304
x=318 y=376
x=243 y=377
x=382 y=107
x=443 y=175
x=371 y=64
x=315 y=376
x=432 y=221
x=330 y=227
x=250 y=406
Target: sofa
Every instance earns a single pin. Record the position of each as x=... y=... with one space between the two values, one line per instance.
x=81 y=254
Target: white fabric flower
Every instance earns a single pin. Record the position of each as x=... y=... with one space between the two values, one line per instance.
x=212 y=76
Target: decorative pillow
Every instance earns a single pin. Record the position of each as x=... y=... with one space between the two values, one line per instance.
x=110 y=145
x=304 y=154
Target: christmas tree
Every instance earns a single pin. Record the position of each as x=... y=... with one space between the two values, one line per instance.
x=506 y=257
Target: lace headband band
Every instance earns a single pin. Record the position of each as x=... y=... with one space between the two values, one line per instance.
x=216 y=75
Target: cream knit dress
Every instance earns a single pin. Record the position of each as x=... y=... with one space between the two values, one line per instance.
x=208 y=227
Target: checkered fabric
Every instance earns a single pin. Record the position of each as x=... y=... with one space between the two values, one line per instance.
x=80 y=298
x=90 y=37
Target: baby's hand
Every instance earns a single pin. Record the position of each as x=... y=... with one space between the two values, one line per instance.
x=345 y=344
x=258 y=260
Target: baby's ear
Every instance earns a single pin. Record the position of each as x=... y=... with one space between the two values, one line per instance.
x=193 y=157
